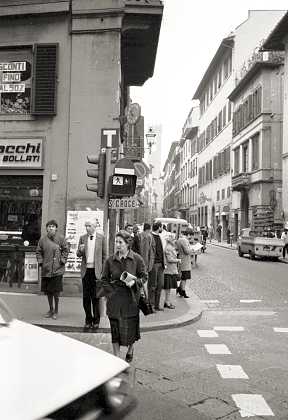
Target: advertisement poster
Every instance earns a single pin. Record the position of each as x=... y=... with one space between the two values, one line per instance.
x=30 y=268
x=75 y=227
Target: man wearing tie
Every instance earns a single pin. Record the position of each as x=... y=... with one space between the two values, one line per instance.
x=92 y=249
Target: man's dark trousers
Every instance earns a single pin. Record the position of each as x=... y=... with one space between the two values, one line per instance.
x=89 y=297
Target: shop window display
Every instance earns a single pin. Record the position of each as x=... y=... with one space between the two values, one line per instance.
x=20 y=225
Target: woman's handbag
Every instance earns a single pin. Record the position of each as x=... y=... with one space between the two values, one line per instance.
x=144 y=304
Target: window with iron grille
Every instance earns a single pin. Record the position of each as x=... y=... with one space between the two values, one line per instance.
x=218 y=195
x=223 y=194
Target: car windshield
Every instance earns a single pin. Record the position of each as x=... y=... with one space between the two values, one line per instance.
x=6 y=315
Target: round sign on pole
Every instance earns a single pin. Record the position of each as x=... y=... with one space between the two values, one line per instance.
x=140 y=170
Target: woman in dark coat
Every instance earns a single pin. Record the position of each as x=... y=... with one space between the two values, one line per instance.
x=122 y=301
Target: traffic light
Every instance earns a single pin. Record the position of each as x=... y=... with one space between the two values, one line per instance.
x=121 y=185
x=97 y=173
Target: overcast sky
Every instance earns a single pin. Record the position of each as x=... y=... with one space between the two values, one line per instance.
x=191 y=32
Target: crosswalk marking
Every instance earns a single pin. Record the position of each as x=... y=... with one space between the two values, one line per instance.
x=231 y=372
x=280 y=330
x=250 y=300
x=207 y=333
x=227 y=328
x=252 y=405
x=210 y=301
x=217 y=349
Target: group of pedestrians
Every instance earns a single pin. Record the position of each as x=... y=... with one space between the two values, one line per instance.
x=154 y=259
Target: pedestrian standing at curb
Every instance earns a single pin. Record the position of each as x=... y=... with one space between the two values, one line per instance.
x=156 y=275
x=184 y=253
x=171 y=274
x=122 y=301
x=52 y=253
x=92 y=250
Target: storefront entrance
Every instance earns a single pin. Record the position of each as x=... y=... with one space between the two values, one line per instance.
x=20 y=228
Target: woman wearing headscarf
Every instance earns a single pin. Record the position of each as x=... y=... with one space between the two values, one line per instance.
x=171 y=271
x=122 y=301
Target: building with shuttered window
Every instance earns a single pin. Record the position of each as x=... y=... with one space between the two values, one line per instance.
x=215 y=123
x=65 y=70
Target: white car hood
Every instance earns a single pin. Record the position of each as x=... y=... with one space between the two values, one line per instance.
x=42 y=371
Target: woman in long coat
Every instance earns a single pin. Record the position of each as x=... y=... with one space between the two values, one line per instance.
x=122 y=301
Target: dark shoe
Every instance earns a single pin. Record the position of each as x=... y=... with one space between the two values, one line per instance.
x=178 y=291
x=129 y=357
x=158 y=309
x=169 y=305
x=49 y=314
x=184 y=294
x=87 y=327
x=95 y=326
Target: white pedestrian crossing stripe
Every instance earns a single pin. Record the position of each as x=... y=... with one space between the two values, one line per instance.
x=231 y=372
x=281 y=330
x=227 y=328
x=210 y=301
x=217 y=349
x=252 y=405
x=250 y=300
x=207 y=333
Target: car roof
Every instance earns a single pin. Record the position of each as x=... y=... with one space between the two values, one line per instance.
x=43 y=370
x=167 y=220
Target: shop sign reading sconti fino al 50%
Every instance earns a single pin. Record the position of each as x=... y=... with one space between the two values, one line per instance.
x=123 y=203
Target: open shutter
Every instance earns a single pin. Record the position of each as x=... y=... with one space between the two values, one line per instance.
x=44 y=79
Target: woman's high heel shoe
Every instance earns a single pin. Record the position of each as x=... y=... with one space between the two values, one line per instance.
x=129 y=357
x=183 y=293
x=178 y=291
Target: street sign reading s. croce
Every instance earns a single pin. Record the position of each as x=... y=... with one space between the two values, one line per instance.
x=123 y=203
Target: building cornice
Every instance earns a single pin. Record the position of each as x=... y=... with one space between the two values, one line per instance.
x=226 y=43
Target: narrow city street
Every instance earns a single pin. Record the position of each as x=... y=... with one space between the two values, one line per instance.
x=229 y=365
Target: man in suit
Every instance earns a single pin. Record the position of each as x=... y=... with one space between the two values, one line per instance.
x=92 y=249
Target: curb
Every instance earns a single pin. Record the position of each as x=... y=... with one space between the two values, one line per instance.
x=193 y=315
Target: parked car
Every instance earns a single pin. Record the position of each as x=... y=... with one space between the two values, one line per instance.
x=46 y=375
x=256 y=244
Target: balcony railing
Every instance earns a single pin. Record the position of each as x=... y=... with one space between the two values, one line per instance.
x=240 y=182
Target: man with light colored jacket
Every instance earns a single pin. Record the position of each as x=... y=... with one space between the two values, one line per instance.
x=92 y=249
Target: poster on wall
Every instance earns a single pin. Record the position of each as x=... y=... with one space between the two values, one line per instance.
x=75 y=227
x=30 y=268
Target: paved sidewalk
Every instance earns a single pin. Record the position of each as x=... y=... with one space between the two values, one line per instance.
x=31 y=308
x=223 y=244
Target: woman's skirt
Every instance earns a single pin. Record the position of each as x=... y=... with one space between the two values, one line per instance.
x=170 y=281
x=125 y=331
x=51 y=285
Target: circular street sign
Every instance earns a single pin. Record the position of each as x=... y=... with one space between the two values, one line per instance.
x=140 y=170
x=133 y=113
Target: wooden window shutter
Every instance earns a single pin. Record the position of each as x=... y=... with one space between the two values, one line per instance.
x=44 y=79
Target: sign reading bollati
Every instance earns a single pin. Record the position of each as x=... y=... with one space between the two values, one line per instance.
x=21 y=153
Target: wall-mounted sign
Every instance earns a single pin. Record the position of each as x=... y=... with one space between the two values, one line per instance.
x=75 y=227
x=30 y=268
x=21 y=153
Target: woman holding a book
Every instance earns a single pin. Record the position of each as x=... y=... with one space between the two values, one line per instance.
x=123 y=276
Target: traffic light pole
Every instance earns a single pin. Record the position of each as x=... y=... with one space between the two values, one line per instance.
x=106 y=198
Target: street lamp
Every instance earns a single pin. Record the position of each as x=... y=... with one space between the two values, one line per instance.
x=150 y=138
